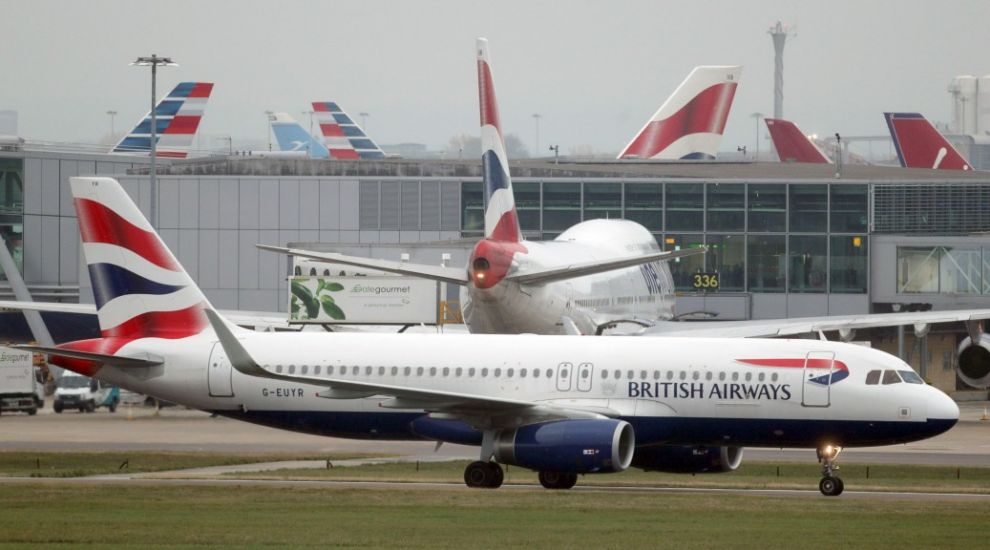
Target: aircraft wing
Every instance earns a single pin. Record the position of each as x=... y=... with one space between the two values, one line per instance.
x=590 y=268
x=801 y=325
x=57 y=307
x=455 y=275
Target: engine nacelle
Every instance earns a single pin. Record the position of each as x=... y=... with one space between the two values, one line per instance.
x=572 y=446
x=680 y=459
x=974 y=362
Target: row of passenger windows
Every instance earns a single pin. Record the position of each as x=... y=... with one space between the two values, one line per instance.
x=510 y=373
x=886 y=377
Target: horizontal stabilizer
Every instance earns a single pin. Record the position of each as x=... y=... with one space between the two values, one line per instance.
x=590 y=268
x=112 y=360
x=457 y=276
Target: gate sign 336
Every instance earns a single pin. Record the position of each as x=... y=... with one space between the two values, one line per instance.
x=704 y=281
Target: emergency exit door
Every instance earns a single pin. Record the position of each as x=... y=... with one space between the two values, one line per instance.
x=219 y=373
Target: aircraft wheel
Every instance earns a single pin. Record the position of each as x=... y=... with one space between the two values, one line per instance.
x=498 y=475
x=557 y=480
x=479 y=474
x=831 y=486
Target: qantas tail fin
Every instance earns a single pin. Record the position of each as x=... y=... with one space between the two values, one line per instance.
x=177 y=118
x=920 y=145
x=501 y=222
x=792 y=145
x=292 y=137
x=689 y=124
x=342 y=136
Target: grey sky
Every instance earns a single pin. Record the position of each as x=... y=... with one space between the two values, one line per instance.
x=595 y=70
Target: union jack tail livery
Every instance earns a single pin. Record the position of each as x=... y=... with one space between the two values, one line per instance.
x=501 y=222
x=689 y=124
x=342 y=136
x=792 y=145
x=177 y=118
x=292 y=137
x=920 y=145
x=141 y=290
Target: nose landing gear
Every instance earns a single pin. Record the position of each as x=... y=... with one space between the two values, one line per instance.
x=830 y=485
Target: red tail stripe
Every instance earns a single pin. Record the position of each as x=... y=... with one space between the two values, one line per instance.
x=486 y=97
x=795 y=363
x=707 y=112
x=99 y=224
x=201 y=89
x=106 y=346
x=331 y=130
x=183 y=124
x=162 y=324
x=346 y=154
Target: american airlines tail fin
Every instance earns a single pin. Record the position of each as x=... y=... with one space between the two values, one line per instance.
x=501 y=222
x=792 y=145
x=342 y=137
x=689 y=124
x=292 y=137
x=920 y=145
x=177 y=118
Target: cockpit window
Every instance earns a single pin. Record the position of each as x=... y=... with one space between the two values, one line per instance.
x=891 y=377
x=911 y=377
x=873 y=377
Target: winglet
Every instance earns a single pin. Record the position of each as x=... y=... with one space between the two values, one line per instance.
x=239 y=357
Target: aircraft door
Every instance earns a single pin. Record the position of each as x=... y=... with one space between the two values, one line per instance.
x=816 y=387
x=219 y=377
x=564 y=375
x=585 y=376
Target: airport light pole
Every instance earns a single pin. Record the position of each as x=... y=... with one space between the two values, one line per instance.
x=154 y=61
x=364 y=120
x=268 y=127
x=757 y=117
x=112 y=114
x=310 y=113
x=536 y=120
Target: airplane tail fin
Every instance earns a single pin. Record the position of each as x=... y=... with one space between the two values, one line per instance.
x=342 y=136
x=501 y=222
x=690 y=122
x=792 y=145
x=921 y=145
x=177 y=118
x=292 y=137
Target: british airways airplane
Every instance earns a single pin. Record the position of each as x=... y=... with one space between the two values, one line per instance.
x=920 y=145
x=177 y=117
x=560 y=405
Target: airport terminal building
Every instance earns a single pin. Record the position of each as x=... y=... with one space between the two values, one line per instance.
x=785 y=240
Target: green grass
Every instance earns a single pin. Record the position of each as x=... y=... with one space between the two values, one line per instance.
x=749 y=475
x=75 y=464
x=113 y=515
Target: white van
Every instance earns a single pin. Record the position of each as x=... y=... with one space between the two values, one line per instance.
x=75 y=391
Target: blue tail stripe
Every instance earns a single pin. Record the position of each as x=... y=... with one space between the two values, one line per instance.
x=182 y=89
x=494 y=175
x=112 y=281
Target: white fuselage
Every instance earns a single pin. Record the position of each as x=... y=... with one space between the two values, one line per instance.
x=673 y=390
x=644 y=293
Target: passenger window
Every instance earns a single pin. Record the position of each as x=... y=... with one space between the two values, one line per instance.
x=629 y=374
x=682 y=375
x=433 y=371
x=656 y=375
x=316 y=370
x=459 y=372
x=498 y=372
x=721 y=376
x=509 y=372
x=446 y=371
x=395 y=371
x=292 y=369
x=873 y=377
x=304 y=369
x=536 y=373
x=618 y=374
x=381 y=371
x=708 y=375
x=484 y=372
x=407 y=371
x=604 y=374
x=749 y=376
x=735 y=376
x=278 y=369
x=549 y=373
x=419 y=371
x=642 y=375
x=762 y=377
x=890 y=377
x=343 y=370
x=773 y=377
x=670 y=375
x=367 y=371
x=695 y=375
x=471 y=372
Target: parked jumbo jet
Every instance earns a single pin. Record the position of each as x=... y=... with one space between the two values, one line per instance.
x=177 y=118
x=690 y=123
x=921 y=145
x=792 y=145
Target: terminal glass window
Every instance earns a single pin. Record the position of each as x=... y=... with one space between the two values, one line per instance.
x=767 y=207
x=602 y=200
x=726 y=207
x=939 y=269
x=850 y=264
x=644 y=204
x=917 y=269
x=727 y=257
x=809 y=208
x=685 y=206
x=849 y=208
x=683 y=269
x=808 y=263
x=472 y=207
x=12 y=209
x=765 y=268
x=527 y=195
x=562 y=205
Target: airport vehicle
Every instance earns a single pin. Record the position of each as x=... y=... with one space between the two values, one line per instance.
x=689 y=124
x=556 y=404
x=343 y=137
x=177 y=118
x=921 y=145
x=75 y=391
x=20 y=389
x=292 y=138
x=792 y=145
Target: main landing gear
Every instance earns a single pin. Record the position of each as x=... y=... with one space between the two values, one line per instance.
x=830 y=485
x=482 y=474
x=557 y=480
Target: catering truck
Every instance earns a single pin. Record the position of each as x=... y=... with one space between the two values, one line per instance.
x=20 y=389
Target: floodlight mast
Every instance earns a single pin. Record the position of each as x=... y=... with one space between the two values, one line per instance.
x=154 y=61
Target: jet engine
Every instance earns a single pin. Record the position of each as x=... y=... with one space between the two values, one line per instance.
x=681 y=459
x=572 y=446
x=974 y=362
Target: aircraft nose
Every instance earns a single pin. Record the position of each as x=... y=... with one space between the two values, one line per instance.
x=942 y=407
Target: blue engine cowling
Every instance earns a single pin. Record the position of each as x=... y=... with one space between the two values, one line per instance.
x=687 y=459
x=573 y=446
